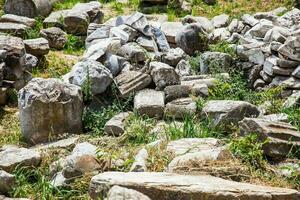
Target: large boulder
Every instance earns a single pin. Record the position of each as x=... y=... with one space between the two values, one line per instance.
x=37 y=47
x=192 y=38
x=150 y=102
x=280 y=138
x=100 y=77
x=168 y=186
x=228 y=112
x=215 y=62
x=18 y=20
x=12 y=157
x=56 y=37
x=49 y=108
x=13 y=29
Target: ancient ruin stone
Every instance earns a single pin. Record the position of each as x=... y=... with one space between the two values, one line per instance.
x=7 y=182
x=140 y=161
x=56 y=37
x=37 y=47
x=181 y=108
x=117 y=192
x=18 y=20
x=48 y=108
x=116 y=125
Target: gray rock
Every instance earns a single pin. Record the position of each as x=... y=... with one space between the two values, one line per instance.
x=171 y=29
x=260 y=29
x=96 y=35
x=202 y=21
x=173 y=92
x=18 y=20
x=160 y=185
x=116 y=125
x=121 y=193
x=138 y=21
x=249 y=20
x=173 y=56
x=228 y=112
x=181 y=108
x=56 y=19
x=255 y=55
x=163 y=75
x=115 y=63
x=220 y=21
x=150 y=102
x=289 y=48
x=236 y=26
x=31 y=62
x=292 y=101
x=267 y=78
x=132 y=81
x=140 y=161
x=147 y=43
x=48 y=108
x=64 y=143
x=218 y=35
x=11 y=157
x=100 y=76
x=37 y=47
x=259 y=83
x=191 y=38
x=278 y=34
x=13 y=28
x=56 y=37
x=132 y=33
x=215 y=62
x=280 y=117
x=296 y=72
x=289 y=18
x=7 y=182
x=78 y=18
x=282 y=137
x=133 y=52
x=183 y=68
x=287 y=82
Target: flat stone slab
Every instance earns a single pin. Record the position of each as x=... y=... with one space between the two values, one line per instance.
x=168 y=186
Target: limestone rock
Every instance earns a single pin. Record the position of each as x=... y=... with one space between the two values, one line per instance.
x=132 y=52
x=100 y=76
x=171 y=29
x=183 y=68
x=132 y=81
x=7 y=182
x=48 y=108
x=163 y=75
x=120 y=193
x=116 y=125
x=56 y=19
x=173 y=56
x=180 y=108
x=56 y=37
x=150 y=102
x=140 y=161
x=228 y=112
x=220 y=21
x=282 y=137
x=160 y=185
x=11 y=157
x=212 y=62
x=191 y=38
x=37 y=47
x=292 y=101
x=13 y=28
x=18 y=20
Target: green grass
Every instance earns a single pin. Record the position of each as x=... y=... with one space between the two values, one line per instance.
x=66 y=4
x=32 y=33
x=74 y=45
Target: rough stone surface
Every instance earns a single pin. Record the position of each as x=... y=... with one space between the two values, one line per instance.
x=150 y=102
x=56 y=37
x=140 y=161
x=167 y=186
x=282 y=137
x=48 y=108
x=180 y=108
x=37 y=47
x=171 y=29
x=227 y=111
x=120 y=193
x=11 y=157
x=132 y=81
x=7 y=182
x=13 y=28
x=116 y=125
x=18 y=20
x=163 y=75
x=211 y=62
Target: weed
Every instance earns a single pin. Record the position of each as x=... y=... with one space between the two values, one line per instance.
x=74 y=45
x=118 y=7
x=66 y=4
x=223 y=47
x=249 y=150
x=294 y=116
x=32 y=33
x=195 y=63
x=87 y=88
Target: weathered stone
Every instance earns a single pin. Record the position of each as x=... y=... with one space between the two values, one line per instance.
x=132 y=52
x=18 y=20
x=132 y=33
x=173 y=92
x=173 y=56
x=163 y=75
x=13 y=28
x=260 y=29
x=140 y=161
x=167 y=186
x=205 y=79
x=267 y=78
x=289 y=48
x=228 y=112
x=218 y=35
x=64 y=143
x=56 y=37
x=255 y=55
x=278 y=34
x=132 y=81
x=7 y=182
x=11 y=157
x=287 y=82
x=215 y=62
x=116 y=125
x=31 y=61
x=119 y=193
x=296 y=72
x=171 y=29
x=259 y=83
x=292 y=101
x=220 y=21
x=48 y=108
x=250 y=20
x=236 y=26
x=203 y=21
x=56 y=19
x=180 y=108
x=147 y=43
x=183 y=68
x=280 y=117
x=191 y=38
x=137 y=21
x=37 y=47
x=289 y=18
x=100 y=76
x=282 y=138
x=78 y=18
x=150 y=102
x=28 y=8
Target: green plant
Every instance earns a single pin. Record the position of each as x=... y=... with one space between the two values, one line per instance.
x=224 y=47
x=249 y=150
x=32 y=33
x=74 y=45
x=294 y=116
x=86 y=87
x=195 y=63
x=66 y=4
x=137 y=130
x=118 y=7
